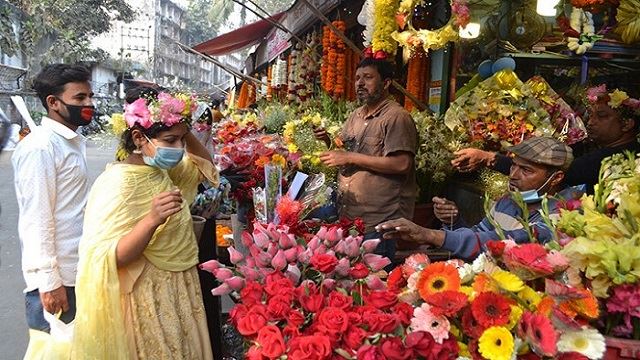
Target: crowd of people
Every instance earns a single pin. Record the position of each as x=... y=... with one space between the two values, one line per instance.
x=120 y=256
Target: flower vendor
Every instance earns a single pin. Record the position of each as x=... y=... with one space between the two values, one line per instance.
x=613 y=125
x=138 y=291
x=538 y=169
x=377 y=180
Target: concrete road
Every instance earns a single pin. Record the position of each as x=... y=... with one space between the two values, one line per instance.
x=13 y=326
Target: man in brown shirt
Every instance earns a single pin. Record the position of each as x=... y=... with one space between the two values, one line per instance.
x=377 y=180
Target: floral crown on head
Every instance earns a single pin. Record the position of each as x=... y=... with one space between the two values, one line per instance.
x=617 y=99
x=168 y=109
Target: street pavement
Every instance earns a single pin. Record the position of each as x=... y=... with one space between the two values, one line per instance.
x=13 y=326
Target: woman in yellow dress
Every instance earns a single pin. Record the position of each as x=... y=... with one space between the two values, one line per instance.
x=137 y=287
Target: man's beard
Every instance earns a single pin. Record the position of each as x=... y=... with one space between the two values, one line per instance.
x=370 y=99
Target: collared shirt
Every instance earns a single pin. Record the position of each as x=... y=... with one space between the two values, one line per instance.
x=467 y=243
x=50 y=172
x=369 y=195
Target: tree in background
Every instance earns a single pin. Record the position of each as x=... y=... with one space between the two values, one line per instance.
x=221 y=10
x=59 y=30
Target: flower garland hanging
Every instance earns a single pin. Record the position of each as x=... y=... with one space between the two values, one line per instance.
x=384 y=26
x=411 y=39
x=581 y=36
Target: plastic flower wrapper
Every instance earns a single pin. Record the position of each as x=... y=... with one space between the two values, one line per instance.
x=497 y=113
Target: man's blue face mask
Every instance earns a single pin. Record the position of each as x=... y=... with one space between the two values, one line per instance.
x=165 y=157
x=533 y=196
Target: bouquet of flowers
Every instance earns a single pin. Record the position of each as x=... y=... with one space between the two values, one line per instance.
x=318 y=299
x=501 y=111
x=603 y=243
x=494 y=309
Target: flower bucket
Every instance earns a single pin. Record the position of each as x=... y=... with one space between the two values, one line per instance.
x=621 y=349
x=198 y=225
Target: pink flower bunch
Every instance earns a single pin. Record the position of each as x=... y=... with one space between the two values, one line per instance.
x=461 y=13
x=331 y=257
x=168 y=109
x=529 y=261
x=624 y=300
x=593 y=93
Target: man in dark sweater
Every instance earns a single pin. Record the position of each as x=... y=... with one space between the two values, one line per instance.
x=613 y=126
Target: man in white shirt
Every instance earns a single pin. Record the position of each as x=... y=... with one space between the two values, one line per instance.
x=50 y=172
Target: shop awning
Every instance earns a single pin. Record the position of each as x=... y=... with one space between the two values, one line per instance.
x=238 y=39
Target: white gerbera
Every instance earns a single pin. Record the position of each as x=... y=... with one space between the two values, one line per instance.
x=588 y=342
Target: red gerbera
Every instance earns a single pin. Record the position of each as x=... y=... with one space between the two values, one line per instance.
x=470 y=325
x=496 y=247
x=447 y=303
x=539 y=333
x=528 y=261
x=396 y=281
x=491 y=309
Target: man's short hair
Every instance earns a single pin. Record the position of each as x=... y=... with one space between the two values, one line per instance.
x=52 y=79
x=544 y=150
x=385 y=68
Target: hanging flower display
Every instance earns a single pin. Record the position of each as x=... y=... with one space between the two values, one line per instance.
x=334 y=63
x=416 y=75
x=581 y=37
x=412 y=39
x=384 y=25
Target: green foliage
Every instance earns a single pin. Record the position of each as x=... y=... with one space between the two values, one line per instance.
x=198 y=24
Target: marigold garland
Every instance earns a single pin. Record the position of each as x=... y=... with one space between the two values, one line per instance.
x=416 y=81
x=243 y=97
x=334 y=61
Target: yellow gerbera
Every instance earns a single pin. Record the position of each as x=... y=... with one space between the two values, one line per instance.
x=278 y=160
x=514 y=317
x=530 y=296
x=616 y=98
x=496 y=343
x=507 y=281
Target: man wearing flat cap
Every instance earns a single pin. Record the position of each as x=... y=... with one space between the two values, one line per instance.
x=538 y=169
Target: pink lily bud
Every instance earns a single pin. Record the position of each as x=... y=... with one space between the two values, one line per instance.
x=279 y=261
x=376 y=262
x=222 y=273
x=261 y=239
x=254 y=250
x=328 y=284
x=345 y=284
x=320 y=250
x=352 y=248
x=235 y=256
x=293 y=273
x=251 y=262
x=291 y=254
x=272 y=249
x=263 y=259
x=343 y=267
x=247 y=239
x=314 y=243
x=249 y=273
x=340 y=247
x=236 y=283
x=334 y=234
x=287 y=241
x=223 y=289
x=305 y=256
x=210 y=265
x=370 y=245
x=374 y=283
x=322 y=233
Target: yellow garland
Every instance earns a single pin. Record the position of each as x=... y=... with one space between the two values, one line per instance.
x=385 y=26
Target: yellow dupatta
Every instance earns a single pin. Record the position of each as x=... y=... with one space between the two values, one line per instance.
x=118 y=200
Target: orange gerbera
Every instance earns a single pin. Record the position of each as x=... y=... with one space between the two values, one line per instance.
x=484 y=283
x=546 y=305
x=586 y=305
x=436 y=278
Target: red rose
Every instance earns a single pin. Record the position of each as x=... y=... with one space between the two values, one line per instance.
x=359 y=271
x=312 y=303
x=271 y=340
x=291 y=331
x=254 y=320
x=358 y=223
x=382 y=323
x=448 y=350
x=354 y=337
x=333 y=322
x=324 y=263
x=420 y=342
x=306 y=288
x=339 y=300
x=381 y=299
x=278 y=308
x=277 y=285
x=404 y=312
x=394 y=349
x=251 y=293
x=396 y=280
x=359 y=313
x=496 y=247
x=314 y=347
x=295 y=318
x=254 y=353
x=370 y=352
x=237 y=312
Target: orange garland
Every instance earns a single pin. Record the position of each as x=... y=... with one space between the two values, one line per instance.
x=334 y=61
x=269 y=88
x=243 y=97
x=416 y=75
